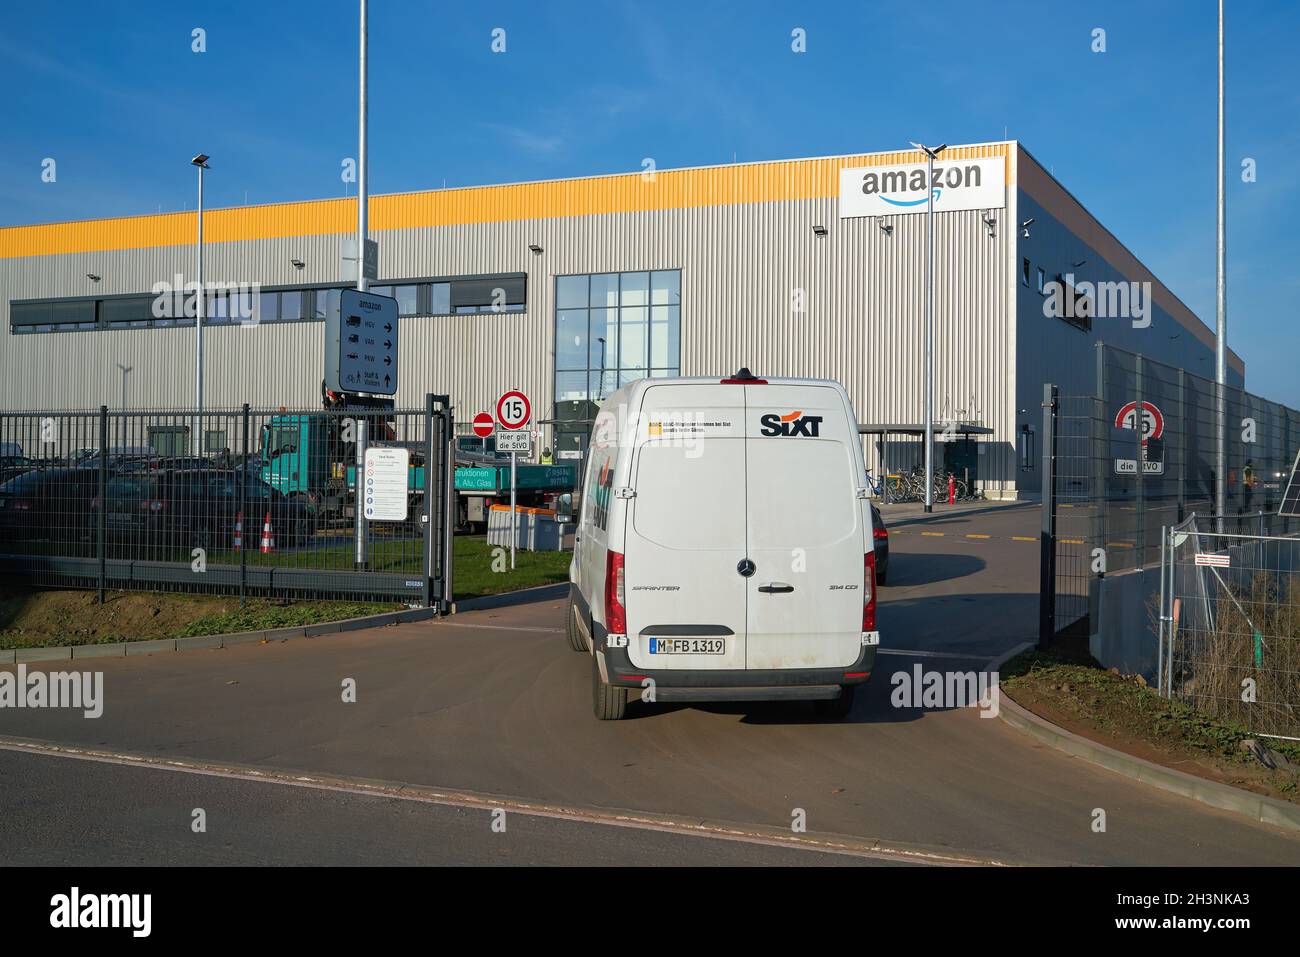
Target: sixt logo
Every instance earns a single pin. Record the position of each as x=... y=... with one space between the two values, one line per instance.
x=796 y=423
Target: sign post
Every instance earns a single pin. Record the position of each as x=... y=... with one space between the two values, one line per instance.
x=513 y=413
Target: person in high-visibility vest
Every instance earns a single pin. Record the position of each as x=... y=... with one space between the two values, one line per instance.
x=547 y=458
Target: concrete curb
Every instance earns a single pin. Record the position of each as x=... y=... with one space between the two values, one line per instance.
x=122 y=649
x=524 y=596
x=1266 y=810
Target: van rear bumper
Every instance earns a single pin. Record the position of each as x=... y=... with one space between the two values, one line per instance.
x=772 y=682
x=766 y=684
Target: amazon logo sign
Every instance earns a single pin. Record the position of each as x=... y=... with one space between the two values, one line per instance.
x=906 y=188
x=791 y=425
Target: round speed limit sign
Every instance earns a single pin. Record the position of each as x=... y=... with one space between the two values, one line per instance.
x=513 y=410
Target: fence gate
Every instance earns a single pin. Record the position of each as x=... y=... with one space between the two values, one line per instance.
x=235 y=501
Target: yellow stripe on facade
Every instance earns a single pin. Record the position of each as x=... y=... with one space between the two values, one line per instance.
x=591 y=196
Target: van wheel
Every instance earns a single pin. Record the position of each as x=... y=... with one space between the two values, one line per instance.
x=608 y=702
x=836 y=707
x=575 y=634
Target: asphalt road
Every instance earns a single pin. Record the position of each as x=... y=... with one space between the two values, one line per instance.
x=491 y=709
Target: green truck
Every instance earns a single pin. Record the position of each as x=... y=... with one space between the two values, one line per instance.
x=306 y=456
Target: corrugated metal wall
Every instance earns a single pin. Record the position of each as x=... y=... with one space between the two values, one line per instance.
x=742 y=266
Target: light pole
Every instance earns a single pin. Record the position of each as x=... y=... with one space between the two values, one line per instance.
x=600 y=389
x=125 y=370
x=359 y=524
x=930 y=155
x=200 y=300
x=1221 y=323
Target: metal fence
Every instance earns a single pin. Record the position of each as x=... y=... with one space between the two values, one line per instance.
x=1108 y=489
x=1229 y=626
x=244 y=501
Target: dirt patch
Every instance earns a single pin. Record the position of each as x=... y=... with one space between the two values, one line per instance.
x=43 y=618
x=1120 y=712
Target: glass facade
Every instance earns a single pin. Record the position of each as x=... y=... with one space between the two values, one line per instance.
x=613 y=328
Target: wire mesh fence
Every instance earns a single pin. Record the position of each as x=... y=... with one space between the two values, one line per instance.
x=247 y=501
x=1229 y=626
x=1140 y=454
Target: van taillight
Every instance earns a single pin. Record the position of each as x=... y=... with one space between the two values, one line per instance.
x=615 y=614
x=869 y=593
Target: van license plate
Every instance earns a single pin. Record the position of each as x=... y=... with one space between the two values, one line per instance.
x=688 y=646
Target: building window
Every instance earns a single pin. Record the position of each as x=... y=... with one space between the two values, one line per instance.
x=1041 y=280
x=1024 y=271
x=408 y=297
x=613 y=328
x=440 y=299
x=1025 y=448
x=291 y=305
x=1075 y=307
x=418 y=297
x=268 y=306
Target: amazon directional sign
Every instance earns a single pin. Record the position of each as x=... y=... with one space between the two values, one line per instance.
x=361 y=344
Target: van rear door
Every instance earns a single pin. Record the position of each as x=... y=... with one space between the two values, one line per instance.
x=805 y=529
x=685 y=531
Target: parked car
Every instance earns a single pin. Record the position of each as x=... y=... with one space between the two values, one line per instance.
x=881 y=535
x=199 y=507
x=725 y=549
x=12 y=466
x=50 y=504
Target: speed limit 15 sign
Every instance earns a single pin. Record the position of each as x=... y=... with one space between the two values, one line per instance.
x=513 y=410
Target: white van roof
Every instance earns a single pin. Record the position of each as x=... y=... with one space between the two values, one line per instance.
x=634 y=389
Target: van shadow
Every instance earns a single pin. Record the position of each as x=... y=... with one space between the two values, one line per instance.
x=921 y=568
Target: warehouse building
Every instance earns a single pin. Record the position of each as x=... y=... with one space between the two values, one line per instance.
x=568 y=288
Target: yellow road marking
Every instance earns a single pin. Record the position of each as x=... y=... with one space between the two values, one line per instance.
x=979 y=536
x=1022 y=538
x=933 y=534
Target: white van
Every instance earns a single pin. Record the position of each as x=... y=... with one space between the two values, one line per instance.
x=724 y=550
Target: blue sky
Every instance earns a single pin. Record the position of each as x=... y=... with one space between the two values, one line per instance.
x=114 y=93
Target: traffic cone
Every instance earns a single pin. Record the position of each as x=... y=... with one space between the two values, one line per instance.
x=268 y=536
x=239 y=530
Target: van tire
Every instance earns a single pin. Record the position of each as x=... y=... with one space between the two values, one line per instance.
x=836 y=707
x=576 y=641
x=609 y=703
